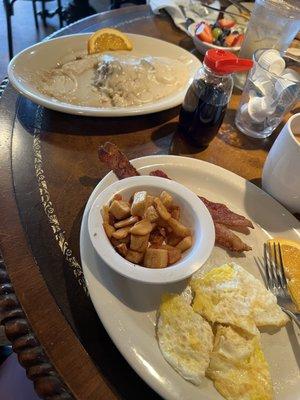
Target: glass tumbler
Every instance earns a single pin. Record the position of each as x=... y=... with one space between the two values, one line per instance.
x=273 y=24
x=266 y=98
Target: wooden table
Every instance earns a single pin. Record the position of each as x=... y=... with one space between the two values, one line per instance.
x=49 y=167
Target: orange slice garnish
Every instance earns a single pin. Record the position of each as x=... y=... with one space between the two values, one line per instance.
x=108 y=39
x=290 y=250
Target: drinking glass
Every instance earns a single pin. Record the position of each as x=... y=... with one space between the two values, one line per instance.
x=266 y=98
x=273 y=24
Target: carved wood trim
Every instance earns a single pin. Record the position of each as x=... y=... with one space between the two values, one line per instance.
x=47 y=383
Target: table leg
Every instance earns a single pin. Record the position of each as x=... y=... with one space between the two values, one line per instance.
x=44 y=13
x=35 y=14
x=9 y=12
x=59 y=11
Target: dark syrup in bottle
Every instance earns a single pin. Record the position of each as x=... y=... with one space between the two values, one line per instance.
x=202 y=113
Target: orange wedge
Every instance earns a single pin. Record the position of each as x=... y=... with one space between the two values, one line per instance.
x=291 y=262
x=108 y=39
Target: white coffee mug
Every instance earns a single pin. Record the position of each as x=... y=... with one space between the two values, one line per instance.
x=281 y=173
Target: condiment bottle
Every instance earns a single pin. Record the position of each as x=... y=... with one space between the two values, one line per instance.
x=206 y=100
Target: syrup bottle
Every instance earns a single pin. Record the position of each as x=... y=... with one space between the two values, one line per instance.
x=206 y=100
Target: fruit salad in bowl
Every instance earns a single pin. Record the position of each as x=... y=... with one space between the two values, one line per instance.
x=224 y=33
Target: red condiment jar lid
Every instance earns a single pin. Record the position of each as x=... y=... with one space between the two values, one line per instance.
x=224 y=62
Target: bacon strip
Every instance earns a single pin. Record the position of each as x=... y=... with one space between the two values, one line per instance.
x=159 y=173
x=219 y=212
x=112 y=156
x=223 y=215
x=226 y=238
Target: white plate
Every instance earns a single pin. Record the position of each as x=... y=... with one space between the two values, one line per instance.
x=45 y=55
x=133 y=305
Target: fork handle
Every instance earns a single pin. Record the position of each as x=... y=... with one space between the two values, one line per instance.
x=294 y=317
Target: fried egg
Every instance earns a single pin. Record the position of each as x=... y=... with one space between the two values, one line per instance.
x=238 y=367
x=230 y=295
x=184 y=337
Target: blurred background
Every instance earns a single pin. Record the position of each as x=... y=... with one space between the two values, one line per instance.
x=24 y=31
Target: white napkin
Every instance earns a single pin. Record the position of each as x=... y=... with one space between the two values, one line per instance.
x=172 y=8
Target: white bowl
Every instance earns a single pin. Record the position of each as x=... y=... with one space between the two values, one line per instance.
x=193 y=214
x=202 y=47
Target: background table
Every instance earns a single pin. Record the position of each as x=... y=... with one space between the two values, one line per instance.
x=49 y=167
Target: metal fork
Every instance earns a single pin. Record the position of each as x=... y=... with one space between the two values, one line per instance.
x=276 y=280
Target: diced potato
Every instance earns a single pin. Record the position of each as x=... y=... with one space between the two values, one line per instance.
x=166 y=198
x=105 y=214
x=175 y=212
x=120 y=209
x=161 y=223
x=122 y=249
x=139 y=243
x=126 y=222
x=134 y=256
x=109 y=230
x=185 y=244
x=156 y=258
x=116 y=242
x=149 y=200
x=142 y=227
x=121 y=233
x=174 y=255
x=161 y=209
x=156 y=238
x=151 y=214
x=172 y=239
x=112 y=219
x=138 y=205
x=178 y=228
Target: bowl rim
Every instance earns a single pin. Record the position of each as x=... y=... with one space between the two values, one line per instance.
x=204 y=235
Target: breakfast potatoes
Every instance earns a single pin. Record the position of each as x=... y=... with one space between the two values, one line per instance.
x=146 y=230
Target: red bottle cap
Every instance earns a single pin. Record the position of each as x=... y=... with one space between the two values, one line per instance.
x=224 y=62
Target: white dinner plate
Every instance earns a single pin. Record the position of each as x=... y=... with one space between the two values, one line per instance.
x=46 y=55
x=133 y=305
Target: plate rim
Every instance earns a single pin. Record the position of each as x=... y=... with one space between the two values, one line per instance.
x=57 y=105
x=138 y=162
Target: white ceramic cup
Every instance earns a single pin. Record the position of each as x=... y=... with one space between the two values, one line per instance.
x=281 y=173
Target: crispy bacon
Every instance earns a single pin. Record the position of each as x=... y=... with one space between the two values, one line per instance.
x=159 y=173
x=226 y=238
x=112 y=156
x=222 y=216
x=219 y=212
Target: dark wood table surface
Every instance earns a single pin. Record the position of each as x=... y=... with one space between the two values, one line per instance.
x=48 y=169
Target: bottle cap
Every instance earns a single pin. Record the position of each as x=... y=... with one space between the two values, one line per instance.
x=224 y=62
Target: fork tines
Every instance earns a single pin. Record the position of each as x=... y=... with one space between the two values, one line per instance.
x=274 y=266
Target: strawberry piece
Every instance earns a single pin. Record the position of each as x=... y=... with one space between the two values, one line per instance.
x=204 y=33
x=226 y=23
x=229 y=40
x=238 y=40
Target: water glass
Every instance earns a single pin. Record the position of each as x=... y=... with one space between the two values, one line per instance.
x=266 y=98
x=273 y=24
